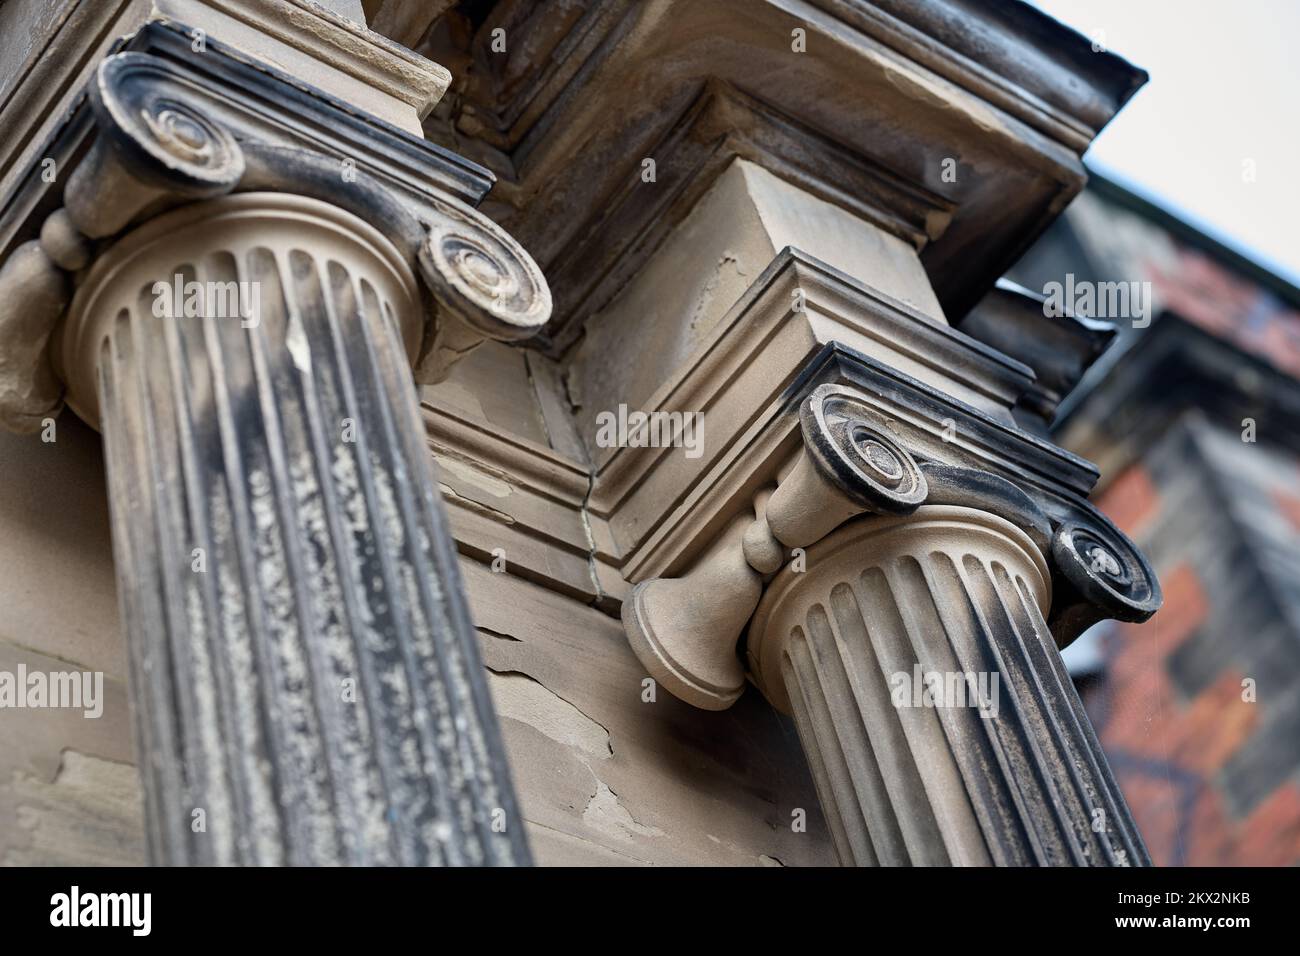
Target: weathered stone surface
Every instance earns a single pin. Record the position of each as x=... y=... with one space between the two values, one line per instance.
x=685 y=786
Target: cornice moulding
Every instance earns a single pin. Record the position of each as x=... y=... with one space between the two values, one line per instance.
x=1010 y=54
x=901 y=87
x=1011 y=57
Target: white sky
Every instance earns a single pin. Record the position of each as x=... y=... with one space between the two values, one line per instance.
x=1224 y=89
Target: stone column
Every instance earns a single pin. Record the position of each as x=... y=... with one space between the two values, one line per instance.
x=899 y=610
x=305 y=678
x=283 y=565
x=937 y=719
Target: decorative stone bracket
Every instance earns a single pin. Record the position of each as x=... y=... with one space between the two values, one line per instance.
x=304 y=674
x=900 y=564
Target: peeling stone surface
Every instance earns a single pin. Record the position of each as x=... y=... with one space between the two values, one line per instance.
x=607 y=815
x=606 y=777
x=90 y=815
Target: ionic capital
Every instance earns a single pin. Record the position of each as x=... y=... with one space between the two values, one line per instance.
x=898 y=607
x=156 y=144
x=852 y=466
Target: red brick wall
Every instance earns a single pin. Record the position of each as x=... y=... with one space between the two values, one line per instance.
x=1167 y=751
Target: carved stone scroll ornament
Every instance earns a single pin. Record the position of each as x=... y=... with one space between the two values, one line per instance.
x=304 y=672
x=156 y=148
x=1101 y=576
x=684 y=630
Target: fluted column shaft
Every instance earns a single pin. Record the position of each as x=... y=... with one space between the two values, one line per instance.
x=306 y=684
x=1000 y=765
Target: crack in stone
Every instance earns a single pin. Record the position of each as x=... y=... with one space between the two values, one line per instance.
x=522 y=697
